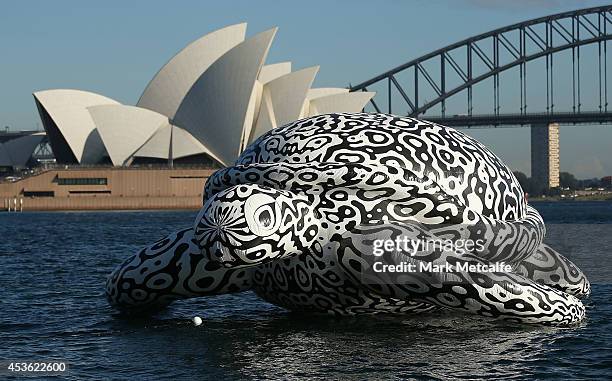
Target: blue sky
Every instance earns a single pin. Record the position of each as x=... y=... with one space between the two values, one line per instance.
x=114 y=48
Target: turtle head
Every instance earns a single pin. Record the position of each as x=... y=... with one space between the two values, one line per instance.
x=252 y=224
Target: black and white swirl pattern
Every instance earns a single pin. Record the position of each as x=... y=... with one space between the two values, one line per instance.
x=290 y=218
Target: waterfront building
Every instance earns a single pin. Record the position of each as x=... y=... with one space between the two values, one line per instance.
x=205 y=105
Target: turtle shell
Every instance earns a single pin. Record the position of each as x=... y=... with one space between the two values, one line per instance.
x=460 y=165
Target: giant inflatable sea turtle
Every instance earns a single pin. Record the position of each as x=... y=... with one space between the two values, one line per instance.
x=298 y=217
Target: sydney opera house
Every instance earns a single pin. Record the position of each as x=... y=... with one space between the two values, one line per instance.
x=200 y=110
x=204 y=106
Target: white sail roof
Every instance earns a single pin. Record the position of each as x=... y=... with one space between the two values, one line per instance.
x=172 y=140
x=342 y=102
x=158 y=145
x=213 y=97
x=318 y=93
x=283 y=99
x=171 y=84
x=129 y=131
x=273 y=71
x=216 y=107
x=124 y=129
x=68 y=109
x=184 y=144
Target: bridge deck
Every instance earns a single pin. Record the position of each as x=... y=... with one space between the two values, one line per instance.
x=499 y=120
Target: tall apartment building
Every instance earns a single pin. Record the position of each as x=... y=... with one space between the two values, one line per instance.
x=545 y=156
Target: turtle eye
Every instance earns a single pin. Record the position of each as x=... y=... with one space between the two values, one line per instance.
x=261 y=213
x=265 y=216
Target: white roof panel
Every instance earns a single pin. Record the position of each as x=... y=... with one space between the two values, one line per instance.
x=124 y=129
x=343 y=102
x=68 y=109
x=171 y=84
x=273 y=71
x=283 y=98
x=215 y=109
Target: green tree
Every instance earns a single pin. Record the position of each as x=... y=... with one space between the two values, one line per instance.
x=567 y=180
x=523 y=180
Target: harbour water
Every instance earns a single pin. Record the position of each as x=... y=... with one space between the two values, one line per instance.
x=52 y=272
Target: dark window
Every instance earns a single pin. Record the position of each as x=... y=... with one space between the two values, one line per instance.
x=90 y=192
x=38 y=194
x=82 y=181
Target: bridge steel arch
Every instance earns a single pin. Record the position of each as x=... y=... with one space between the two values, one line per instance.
x=521 y=42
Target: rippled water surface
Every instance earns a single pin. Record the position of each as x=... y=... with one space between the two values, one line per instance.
x=52 y=272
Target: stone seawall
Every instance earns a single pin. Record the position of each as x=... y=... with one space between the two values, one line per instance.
x=100 y=203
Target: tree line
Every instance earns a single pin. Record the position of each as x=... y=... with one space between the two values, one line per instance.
x=566 y=181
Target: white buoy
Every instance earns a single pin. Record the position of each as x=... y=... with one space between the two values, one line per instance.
x=197 y=320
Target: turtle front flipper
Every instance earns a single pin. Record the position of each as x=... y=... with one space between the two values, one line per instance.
x=170 y=269
x=249 y=225
x=384 y=258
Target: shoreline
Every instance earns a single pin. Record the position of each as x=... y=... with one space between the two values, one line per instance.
x=608 y=198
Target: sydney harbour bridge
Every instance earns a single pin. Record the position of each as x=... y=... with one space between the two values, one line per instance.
x=540 y=73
